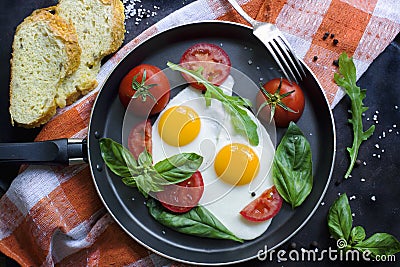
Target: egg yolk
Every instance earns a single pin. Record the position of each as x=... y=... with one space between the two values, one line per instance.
x=236 y=164
x=179 y=125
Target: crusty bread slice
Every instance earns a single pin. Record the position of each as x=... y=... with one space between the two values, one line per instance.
x=45 y=51
x=100 y=28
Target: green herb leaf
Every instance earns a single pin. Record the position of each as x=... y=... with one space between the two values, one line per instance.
x=142 y=174
x=198 y=221
x=340 y=220
x=178 y=168
x=346 y=78
x=357 y=235
x=292 y=167
x=235 y=105
x=379 y=244
x=117 y=158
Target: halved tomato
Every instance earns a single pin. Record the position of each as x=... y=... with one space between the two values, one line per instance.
x=183 y=196
x=213 y=59
x=139 y=138
x=263 y=208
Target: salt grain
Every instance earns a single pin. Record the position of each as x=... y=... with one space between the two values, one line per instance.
x=396 y=107
x=322 y=203
x=364 y=163
x=376 y=145
x=353 y=214
x=373 y=198
x=390 y=130
x=394 y=125
x=352 y=197
x=362 y=180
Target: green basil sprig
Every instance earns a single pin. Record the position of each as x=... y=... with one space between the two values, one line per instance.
x=292 y=167
x=142 y=173
x=346 y=78
x=198 y=221
x=235 y=105
x=340 y=224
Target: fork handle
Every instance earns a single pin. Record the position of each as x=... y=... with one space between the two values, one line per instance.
x=242 y=13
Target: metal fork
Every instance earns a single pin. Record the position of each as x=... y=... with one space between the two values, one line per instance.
x=276 y=44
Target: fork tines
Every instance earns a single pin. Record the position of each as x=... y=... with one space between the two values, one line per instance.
x=286 y=59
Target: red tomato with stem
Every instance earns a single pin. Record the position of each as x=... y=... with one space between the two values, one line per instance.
x=183 y=196
x=285 y=101
x=263 y=208
x=213 y=59
x=147 y=87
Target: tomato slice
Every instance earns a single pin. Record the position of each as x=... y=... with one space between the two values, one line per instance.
x=140 y=138
x=263 y=208
x=183 y=196
x=213 y=59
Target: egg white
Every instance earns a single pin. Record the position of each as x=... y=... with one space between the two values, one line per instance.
x=223 y=200
x=226 y=201
x=206 y=141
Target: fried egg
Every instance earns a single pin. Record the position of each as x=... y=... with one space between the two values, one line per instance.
x=233 y=170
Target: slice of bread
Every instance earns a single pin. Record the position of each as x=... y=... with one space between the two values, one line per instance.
x=45 y=51
x=100 y=28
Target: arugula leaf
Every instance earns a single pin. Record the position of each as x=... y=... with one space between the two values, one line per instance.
x=292 y=167
x=346 y=78
x=198 y=221
x=340 y=223
x=235 y=105
x=340 y=220
x=379 y=244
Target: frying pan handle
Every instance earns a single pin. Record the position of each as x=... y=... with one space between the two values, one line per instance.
x=53 y=152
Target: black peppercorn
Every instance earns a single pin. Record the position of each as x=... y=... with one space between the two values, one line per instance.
x=336 y=62
x=315 y=58
x=325 y=36
x=253 y=194
x=335 y=41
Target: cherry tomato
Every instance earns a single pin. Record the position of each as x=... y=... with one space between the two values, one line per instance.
x=206 y=55
x=285 y=100
x=140 y=138
x=263 y=208
x=182 y=196
x=147 y=87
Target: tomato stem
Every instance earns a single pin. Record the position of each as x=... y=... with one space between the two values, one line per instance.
x=142 y=89
x=275 y=99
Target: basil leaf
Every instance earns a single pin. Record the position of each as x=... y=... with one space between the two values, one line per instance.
x=346 y=78
x=292 y=167
x=117 y=158
x=235 y=105
x=357 y=235
x=149 y=181
x=340 y=220
x=145 y=159
x=198 y=221
x=379 y=244
x=179 y=167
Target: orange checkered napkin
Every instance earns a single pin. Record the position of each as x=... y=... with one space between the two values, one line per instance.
x=54 y=216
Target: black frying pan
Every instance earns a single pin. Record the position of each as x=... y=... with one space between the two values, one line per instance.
x=126 y=205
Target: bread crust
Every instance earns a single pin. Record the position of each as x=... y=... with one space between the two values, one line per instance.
x=62 y=31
